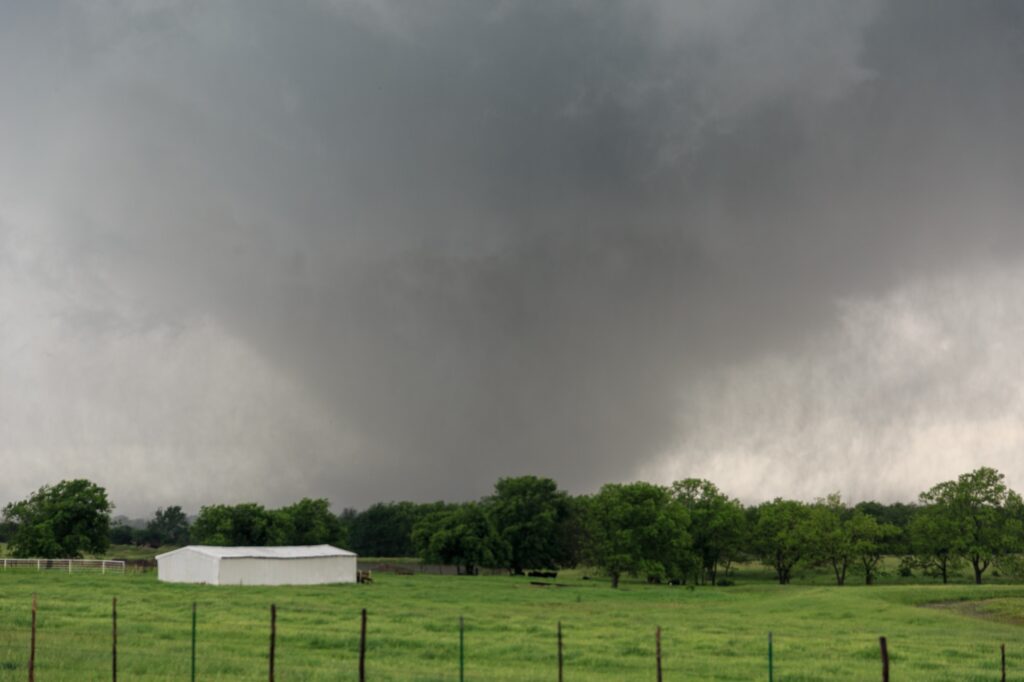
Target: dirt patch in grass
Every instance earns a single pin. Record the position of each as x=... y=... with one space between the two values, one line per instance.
x=985 y=609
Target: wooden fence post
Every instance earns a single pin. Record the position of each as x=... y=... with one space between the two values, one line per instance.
x=193 y=642
x=462 y=650
x=273 y=638
x=657 y=648
x=32 y=647
x=1002 y=662
x=559 y=651
x=885 y=659
x=113 y=648
x=771 y=672
x=362 y=648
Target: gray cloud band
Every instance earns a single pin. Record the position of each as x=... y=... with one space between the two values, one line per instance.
x=372 y=250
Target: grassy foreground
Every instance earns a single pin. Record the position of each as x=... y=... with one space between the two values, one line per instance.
x=821 y=633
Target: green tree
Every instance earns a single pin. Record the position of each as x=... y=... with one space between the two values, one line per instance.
x=345 y=520
x=571 y=533
x=385 y=528
x=167 y=527
x=717 y=525
x=529 y=513
x=123 y=534
x=780 y=535
x=898 y=514
x=61 y=521
x=310 y=522
x=462 y=535
x=868 y=540
x=240 y=525
x=637 y=529
x=936 y=541
x=985 y=513
x=7 y=530
x=829 y=536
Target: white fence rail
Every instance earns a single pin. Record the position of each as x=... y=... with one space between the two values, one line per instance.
x=65 y=565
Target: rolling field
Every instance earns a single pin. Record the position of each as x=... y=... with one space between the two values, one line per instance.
x=821 y=632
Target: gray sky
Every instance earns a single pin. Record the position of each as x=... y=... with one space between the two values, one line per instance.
x=374 y=250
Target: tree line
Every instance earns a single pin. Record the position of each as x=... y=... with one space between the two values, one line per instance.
x=689 y=531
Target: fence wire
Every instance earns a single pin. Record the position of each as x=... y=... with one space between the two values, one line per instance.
x=320 y=640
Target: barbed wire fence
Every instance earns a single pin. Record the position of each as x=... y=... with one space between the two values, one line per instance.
x=40 y=639
x=67 y=641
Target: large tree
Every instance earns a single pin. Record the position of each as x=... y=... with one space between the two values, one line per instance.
x=385 y=528
x=463 y=535
x=7 y=530
x=345 y=520
x=310 y=522
x=985 y=513
x=167 y=527
x=637 y=528
x=61 y=521
x=717 y=525
x=936 y=541
x=780 y=535
x=246 y=524
x=868 y=540
x=123 y=534
x=898 y=514
x=829 y=536
x=529 y=513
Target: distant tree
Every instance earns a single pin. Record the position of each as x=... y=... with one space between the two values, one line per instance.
x=385 y=528
x=936 y=541
x=63 y=520
x=830 y=537
x=528 y=513
x=717 y=525
x=462 y=535
x=780 y=536
x=571 y=533
x=425 y=528
x=7 y=530
x=246 y=524
x=167 y=527
x=985 y=512
x=345 y=520
x=869 y=541
x=310 y=522
x=637 y=529
x=123 y=534
x=897 y=514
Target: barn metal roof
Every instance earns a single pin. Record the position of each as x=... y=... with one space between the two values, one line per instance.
x=286 y=552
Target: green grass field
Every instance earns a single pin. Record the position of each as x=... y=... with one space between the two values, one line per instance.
x=821 y=632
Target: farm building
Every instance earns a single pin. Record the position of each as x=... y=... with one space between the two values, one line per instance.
x=299 y=565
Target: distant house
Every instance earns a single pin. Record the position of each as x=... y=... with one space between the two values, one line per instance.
x=297 y=565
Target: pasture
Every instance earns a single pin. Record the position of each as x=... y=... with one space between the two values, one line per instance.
x=820 y=632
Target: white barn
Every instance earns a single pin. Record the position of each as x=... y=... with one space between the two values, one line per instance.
x=297 y=565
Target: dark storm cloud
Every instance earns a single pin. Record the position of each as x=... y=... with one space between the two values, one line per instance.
x=459 y=240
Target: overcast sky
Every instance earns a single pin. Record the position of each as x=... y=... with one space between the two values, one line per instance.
x=372 y=249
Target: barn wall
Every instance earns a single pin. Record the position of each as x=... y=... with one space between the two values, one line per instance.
x=187 y=566
x=299 y=571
